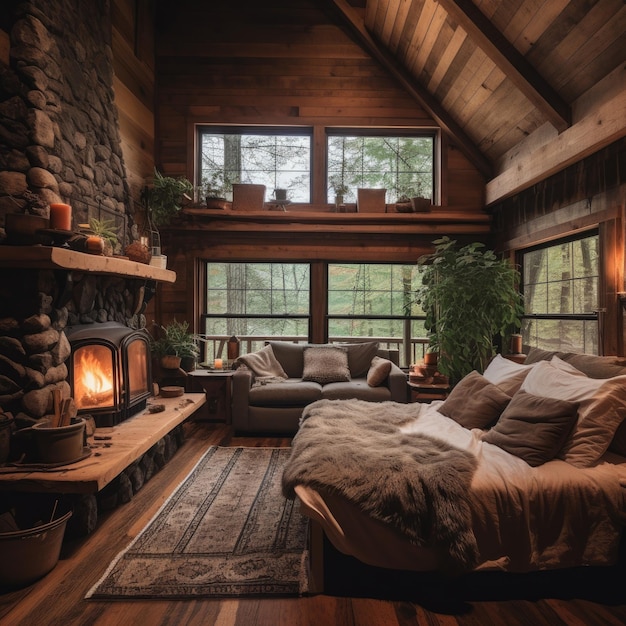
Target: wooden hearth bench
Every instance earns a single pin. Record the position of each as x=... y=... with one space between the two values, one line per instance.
x=112 y=451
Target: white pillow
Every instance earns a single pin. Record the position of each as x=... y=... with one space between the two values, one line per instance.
x=564 y=366
x=501 y=369
x=553 y=382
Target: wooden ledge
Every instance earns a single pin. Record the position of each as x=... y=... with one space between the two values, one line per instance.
x=126 y=442
x=49 y=257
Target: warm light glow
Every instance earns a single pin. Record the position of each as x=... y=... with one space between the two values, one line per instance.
x=93 y=379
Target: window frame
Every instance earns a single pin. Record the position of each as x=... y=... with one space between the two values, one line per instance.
x=593 y=316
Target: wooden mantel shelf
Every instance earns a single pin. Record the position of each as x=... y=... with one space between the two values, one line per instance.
x=443 y=220
x=49 y=257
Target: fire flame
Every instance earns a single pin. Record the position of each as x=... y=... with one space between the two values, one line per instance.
x=95 y=380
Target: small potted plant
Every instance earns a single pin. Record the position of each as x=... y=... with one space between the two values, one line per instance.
x=340 y=190
x=403 y=201
x=176 y=347
x=107 y=231
x=216 y=189
x=420 y=203
x=165 y=198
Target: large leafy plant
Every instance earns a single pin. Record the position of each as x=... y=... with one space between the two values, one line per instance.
x=470 y=298
x=164 y=199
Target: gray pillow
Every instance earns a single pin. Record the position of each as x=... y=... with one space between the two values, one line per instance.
x=360 y=356
x=326 y=364
x=475 y=402
x=533 y=428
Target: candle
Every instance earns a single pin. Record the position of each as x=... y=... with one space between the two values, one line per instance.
x=516 y=344
x=60 y=217
x=218 y=364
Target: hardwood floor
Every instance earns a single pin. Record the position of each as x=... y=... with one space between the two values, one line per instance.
x=58 y=597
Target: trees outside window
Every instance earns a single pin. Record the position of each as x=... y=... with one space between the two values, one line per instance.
x=560 y=283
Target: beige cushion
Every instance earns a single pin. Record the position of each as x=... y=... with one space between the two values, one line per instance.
x=325 y=364
x=378 y=371
x=598 y=421
x=533 y=428
x=475 y=402
x=602 y=408
x=263 y=363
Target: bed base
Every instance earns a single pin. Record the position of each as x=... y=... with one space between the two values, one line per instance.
x=334 y=573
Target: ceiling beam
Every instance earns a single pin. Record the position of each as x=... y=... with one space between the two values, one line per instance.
x=507 y=58
x=423 y=97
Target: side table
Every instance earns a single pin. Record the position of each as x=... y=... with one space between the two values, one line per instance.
x=422 y=392
x=217 y=386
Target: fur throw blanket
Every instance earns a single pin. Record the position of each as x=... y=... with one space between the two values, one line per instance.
x=417 y=484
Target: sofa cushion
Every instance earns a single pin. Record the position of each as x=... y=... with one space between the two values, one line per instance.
x=360 y=356
x=263 y=363
x=378 y=371
x=325 y=364
x=291 y=392
x=356 y=388
x=291 y=356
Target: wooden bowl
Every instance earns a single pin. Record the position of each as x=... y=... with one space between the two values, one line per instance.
x=172 y=392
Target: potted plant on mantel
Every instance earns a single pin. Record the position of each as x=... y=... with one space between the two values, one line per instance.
x=176 y=346
x=216 y=189
x=470 y=297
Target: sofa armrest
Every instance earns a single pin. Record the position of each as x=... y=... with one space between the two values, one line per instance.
x=241 y=384
x=397 y=384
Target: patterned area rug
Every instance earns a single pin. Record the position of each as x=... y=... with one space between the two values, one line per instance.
x=227 y=531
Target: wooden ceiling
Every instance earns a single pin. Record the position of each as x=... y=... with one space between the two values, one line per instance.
x=493 y=72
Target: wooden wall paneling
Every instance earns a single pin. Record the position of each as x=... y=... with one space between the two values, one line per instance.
x=611 y=283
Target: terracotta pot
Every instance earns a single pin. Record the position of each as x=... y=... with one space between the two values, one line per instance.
x=170 y=362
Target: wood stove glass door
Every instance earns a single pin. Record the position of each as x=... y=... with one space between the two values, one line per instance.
x=94 y=378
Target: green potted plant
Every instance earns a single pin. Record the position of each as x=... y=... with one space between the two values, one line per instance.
x=340 y=189
x=165 y=198
x=107 y=231
x=470 y=297
x=176 y=346
x=420 y=202
x=216 y=189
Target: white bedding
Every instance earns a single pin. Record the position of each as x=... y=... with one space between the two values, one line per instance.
x=524 y=518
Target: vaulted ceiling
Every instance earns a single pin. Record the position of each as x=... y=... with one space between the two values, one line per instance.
x=496 y=73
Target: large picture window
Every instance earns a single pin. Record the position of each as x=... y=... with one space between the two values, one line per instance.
x=272 y=157
x=561 y=295
x=261 y=301
x=255 y=302
x=401 y=164
x=399 y=161
x=367 y=300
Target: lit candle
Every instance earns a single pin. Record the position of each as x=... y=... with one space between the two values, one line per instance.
x=60 y=217
x=516 y=344
x=218 y=364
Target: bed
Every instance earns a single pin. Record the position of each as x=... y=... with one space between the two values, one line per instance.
x=521 y=469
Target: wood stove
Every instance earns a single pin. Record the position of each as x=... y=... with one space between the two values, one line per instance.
x=109 y=371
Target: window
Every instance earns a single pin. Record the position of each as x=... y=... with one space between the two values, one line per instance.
x=261 y=301
x=404 y=165
x=272 y=157
x=399 y=161
x=255 y=302
x=561 y=295
x=367 y=300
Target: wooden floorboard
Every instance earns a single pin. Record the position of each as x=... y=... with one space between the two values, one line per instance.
x=59 y=597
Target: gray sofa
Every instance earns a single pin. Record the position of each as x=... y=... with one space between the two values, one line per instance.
x=276 y=407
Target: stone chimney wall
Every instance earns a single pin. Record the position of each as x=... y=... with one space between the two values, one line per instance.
x=59 y=131
x=60 y=139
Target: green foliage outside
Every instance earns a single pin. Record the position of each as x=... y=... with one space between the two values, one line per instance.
x=470 y=298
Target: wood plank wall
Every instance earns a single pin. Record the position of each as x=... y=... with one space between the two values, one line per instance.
x=133 y=64
x=282 y=62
